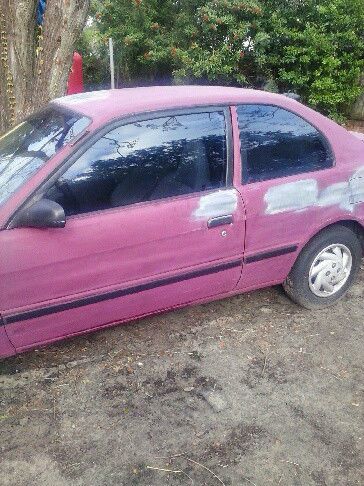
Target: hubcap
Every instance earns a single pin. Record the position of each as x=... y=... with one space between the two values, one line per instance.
x=330 y=270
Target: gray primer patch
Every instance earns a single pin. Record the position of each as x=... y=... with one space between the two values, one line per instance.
x=303 y=194
x=356 y=183
x=337 y=194
x=292 y=196
x=219 y=203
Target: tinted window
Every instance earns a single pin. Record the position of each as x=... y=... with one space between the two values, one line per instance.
x=277 y=143
x=146 y=160
x=31 y=144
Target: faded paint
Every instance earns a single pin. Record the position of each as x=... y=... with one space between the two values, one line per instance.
x=219 y=203
x=82 y=97
x=304 y=194
x=358 y=135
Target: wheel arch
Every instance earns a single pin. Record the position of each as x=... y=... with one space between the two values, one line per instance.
x=296 y=283
x=353 y=224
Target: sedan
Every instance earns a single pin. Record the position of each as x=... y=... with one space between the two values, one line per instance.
x=115 y=205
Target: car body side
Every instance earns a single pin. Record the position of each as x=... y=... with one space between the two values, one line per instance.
x=275 y=227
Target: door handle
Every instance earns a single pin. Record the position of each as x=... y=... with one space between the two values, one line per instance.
x=219 y=221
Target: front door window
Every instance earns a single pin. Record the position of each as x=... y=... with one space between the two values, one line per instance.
x=147 y=160
x=28 y=147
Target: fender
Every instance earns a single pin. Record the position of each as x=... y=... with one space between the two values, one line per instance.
x=326 y=224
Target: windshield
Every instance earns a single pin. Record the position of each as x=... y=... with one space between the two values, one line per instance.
x=27 y=147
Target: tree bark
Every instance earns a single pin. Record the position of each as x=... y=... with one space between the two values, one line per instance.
x=35 y=63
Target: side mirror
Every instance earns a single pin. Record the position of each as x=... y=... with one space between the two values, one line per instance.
x=42 y=214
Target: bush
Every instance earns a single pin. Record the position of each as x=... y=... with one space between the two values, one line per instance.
x=312 y=47
x=316 y=49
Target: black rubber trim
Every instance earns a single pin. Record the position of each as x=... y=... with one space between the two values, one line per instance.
x=93 y=299
x=270 y=254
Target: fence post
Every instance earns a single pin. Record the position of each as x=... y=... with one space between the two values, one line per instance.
x=112 y=66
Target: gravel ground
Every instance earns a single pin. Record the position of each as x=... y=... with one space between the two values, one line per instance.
x=250 y=390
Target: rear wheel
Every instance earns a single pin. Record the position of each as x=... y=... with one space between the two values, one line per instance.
x=325 y=269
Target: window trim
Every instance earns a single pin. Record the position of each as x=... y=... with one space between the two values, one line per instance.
x=325 y=140
x=114 y=123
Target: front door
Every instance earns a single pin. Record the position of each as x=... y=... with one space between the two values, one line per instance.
x=152 y=222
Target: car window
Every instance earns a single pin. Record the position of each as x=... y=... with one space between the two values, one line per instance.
x=277 y=143
x=27 y=147
x=146 y=160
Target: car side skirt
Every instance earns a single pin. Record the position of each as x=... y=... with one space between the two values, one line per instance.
x=114 y=294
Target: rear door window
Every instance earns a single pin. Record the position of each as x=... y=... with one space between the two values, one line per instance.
x=276 y=143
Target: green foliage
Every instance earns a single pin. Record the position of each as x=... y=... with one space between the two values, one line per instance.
x=143 y=34
x=313 y=47
x=95 y=59
x=316 y=49
x=190 y=39
x=219 y=42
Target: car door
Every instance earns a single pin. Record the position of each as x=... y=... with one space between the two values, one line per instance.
x=152 y=222
x=286 y=178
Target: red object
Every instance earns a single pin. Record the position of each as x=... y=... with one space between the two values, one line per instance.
x=75 y=80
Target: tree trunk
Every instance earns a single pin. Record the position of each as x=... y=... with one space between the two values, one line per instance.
x=35 y=63
x=358 y=108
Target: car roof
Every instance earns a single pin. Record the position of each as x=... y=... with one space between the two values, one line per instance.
x=109 y=104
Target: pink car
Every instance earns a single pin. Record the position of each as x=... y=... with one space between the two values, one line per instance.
x=119 y=204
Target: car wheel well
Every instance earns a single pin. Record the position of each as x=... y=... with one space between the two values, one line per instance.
x=299 y=284
x=354 y=226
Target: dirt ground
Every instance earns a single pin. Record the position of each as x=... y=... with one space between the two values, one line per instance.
x=251 y=390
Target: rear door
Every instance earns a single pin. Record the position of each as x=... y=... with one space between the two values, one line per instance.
x=152 y=222
x=288 y=185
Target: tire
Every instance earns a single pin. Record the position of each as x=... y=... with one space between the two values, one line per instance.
x=304 y=288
